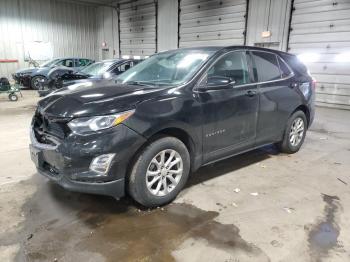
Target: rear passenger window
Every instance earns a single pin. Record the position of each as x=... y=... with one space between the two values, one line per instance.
x=83 y=62
x=285 y=71
x=267 y=68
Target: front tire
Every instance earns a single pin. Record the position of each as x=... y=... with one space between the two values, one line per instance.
x=294 y=134
x=36 y=81
x=159 y=172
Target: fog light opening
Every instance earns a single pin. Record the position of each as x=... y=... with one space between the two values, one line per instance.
x=101 y=163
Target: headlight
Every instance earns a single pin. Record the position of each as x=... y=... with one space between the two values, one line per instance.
x=87 y=125
x=25 y=74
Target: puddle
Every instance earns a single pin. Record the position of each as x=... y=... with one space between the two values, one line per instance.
x=324 y=236
x=76 y=227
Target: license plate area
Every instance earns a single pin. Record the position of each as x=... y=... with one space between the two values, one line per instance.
x=36 y=156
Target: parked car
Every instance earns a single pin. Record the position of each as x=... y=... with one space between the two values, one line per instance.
x=168 y=116
x=31 y=77
x=59 y=77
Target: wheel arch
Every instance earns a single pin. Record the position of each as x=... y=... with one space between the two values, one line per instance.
x=305 y=110
x=176 y=132
x=182 y=135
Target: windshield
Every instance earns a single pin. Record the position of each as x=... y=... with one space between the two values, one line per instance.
x=49 y=63
x=171 y=68
x=98 y=68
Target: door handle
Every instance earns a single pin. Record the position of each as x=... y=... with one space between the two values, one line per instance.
x=250 y=93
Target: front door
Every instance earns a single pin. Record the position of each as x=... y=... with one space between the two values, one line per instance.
x=230 y=114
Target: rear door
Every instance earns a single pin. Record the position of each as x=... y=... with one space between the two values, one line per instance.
x=230 y=114
x=278 y=98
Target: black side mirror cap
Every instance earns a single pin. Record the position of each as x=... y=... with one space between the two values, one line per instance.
x=219 y=82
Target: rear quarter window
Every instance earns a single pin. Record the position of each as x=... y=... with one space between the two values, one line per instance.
x=266 y=66
x=285 y=71
x=296 y=65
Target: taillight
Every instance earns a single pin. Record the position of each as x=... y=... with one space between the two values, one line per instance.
x=313 y=83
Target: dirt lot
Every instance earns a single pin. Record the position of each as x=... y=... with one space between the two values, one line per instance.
x=260 y=206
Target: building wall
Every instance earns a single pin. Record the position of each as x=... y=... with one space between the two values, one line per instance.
x=107 y=28
x=269 y=16
x=107 y=32
x=321 y=35
x=167 y=25
x=69 y=27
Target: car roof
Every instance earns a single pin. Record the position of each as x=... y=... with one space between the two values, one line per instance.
x=61 y=58
x=256 y=48
x=109 y=60
x=233 y=47
x=117 y=60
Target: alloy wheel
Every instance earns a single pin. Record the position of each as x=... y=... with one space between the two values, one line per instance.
x=296 y=132
x=37 y=81
x=164 y=172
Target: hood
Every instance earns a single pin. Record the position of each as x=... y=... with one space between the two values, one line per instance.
x=85 y=79
x=33 y=70
x=75 y=78
x=26 y=70
x=95 y=98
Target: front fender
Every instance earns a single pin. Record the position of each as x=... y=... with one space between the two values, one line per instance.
x=169 y=112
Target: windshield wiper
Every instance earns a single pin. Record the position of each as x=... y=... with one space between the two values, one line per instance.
x=139 y=83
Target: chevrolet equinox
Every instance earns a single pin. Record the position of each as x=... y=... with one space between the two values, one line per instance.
x=145 y=131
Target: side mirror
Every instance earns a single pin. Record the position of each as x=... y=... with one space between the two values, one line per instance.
x=219 y=82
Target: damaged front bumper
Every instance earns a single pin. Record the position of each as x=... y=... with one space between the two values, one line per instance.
x=23 y=80
x=67 y=162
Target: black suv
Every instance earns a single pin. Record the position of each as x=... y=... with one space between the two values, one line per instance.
x=168 y=116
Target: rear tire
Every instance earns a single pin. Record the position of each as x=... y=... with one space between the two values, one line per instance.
x=159 y=172
x=294 y=133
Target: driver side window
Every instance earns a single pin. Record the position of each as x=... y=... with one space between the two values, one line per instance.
x=122 y=68
x=66 y=63
x=232 y=65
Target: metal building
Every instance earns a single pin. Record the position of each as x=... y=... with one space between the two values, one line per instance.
x=317 y=31
x=320 y=30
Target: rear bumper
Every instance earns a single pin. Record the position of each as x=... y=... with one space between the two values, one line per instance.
x=312 y=111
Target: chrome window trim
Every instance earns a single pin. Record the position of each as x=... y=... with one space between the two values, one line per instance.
x=290 y=69
x=250 y=84
x=272 y=81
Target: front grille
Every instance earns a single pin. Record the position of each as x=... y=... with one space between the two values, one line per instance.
x=49 y=130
